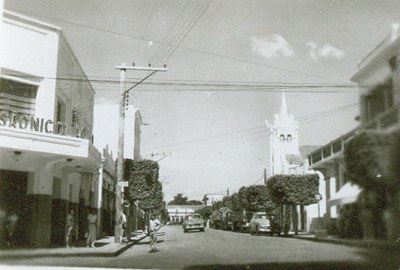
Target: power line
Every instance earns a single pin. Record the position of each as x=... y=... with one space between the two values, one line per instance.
x=205 y=138
x=172 y=45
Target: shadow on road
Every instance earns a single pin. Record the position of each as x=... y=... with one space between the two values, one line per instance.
x=147 y=242
x=283 y=266
x=372 y=259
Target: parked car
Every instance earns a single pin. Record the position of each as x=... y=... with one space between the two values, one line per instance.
x=244 y=222
x=261 y=222
x=231 y=221
x=193 y=222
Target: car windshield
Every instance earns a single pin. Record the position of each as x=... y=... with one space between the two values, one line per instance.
x=193 y=217
x=261 y=216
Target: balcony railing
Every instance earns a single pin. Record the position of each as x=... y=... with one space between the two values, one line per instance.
x=329 y=151
x=335 y=148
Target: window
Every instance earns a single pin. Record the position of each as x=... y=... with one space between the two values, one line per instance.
x=289 y=138
x=17 y=97
x=379 y=100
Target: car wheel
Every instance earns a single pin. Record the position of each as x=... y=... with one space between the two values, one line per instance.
x=202 y=230
x=258 y=232
x=185 y=231
x=279 y=233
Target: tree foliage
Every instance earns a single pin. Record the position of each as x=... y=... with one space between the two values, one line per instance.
x=293 y=189
x=256 y=198
x=205 y=212
x=232 y=202
x=372 y=160
x=155 y=200
x=143 y=183
x=180 y=200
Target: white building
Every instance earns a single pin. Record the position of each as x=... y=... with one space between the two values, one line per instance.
x=378 y=77
x=48 y=164
x=284 y=157
x=287 y=157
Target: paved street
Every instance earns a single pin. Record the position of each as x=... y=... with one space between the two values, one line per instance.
x=213 y=247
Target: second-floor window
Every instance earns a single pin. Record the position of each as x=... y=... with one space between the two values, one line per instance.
x=17 y=97
x=379 y=100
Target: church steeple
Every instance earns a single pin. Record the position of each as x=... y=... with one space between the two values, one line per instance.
x=284 y=140
x=283 y=112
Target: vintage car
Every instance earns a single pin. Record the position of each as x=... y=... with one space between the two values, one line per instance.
x=193 y=222
x=262 y=222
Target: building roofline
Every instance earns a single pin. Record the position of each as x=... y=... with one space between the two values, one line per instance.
x=375 y=55
x=26 y=19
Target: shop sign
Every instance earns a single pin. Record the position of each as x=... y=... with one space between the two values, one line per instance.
x=21 y=121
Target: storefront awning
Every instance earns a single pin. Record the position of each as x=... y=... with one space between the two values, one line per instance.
x=346 y=195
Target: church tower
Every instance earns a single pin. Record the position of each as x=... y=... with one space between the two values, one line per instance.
x=284 y=155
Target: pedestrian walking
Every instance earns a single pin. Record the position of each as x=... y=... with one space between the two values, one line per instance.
x=154 y=226
x=92 y=228
x=69 y=228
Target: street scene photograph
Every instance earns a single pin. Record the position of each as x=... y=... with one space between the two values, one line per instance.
x=199 y=134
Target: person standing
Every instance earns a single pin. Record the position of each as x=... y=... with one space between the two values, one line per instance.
x=69 y=228
x=92 y=228
x=154 y=225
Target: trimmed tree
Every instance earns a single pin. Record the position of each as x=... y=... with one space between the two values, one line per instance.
x=256 y=198
x=293 y=190
x=143 y=184
x=372 y=162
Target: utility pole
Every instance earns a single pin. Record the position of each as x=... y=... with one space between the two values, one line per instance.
x=120 y=157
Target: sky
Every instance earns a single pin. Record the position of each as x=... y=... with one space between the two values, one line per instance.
x=228 y=62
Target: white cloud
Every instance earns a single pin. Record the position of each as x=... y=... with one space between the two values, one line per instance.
x=271 y=46
x=325 y=51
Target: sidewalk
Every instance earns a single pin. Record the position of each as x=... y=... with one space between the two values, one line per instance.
x=380 y=244
x=104 y=247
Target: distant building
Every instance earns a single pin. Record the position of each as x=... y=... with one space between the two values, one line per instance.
x=177 y=213
x=109 y=178
x=48 y=164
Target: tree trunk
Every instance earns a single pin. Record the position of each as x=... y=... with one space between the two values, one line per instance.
x=303 y=218
x=295 y=219
x=287 y=219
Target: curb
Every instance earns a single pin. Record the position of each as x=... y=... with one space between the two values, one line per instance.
x=130 y=244
x=80 y=252
x=354 y=243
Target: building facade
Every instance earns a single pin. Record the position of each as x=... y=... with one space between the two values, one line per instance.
x=378 y=79
x=48 y=164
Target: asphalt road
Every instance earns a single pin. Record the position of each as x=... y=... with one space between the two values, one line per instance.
x=215 y=249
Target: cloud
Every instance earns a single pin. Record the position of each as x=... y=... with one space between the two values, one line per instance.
x=325 y=51
x=271 y=46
